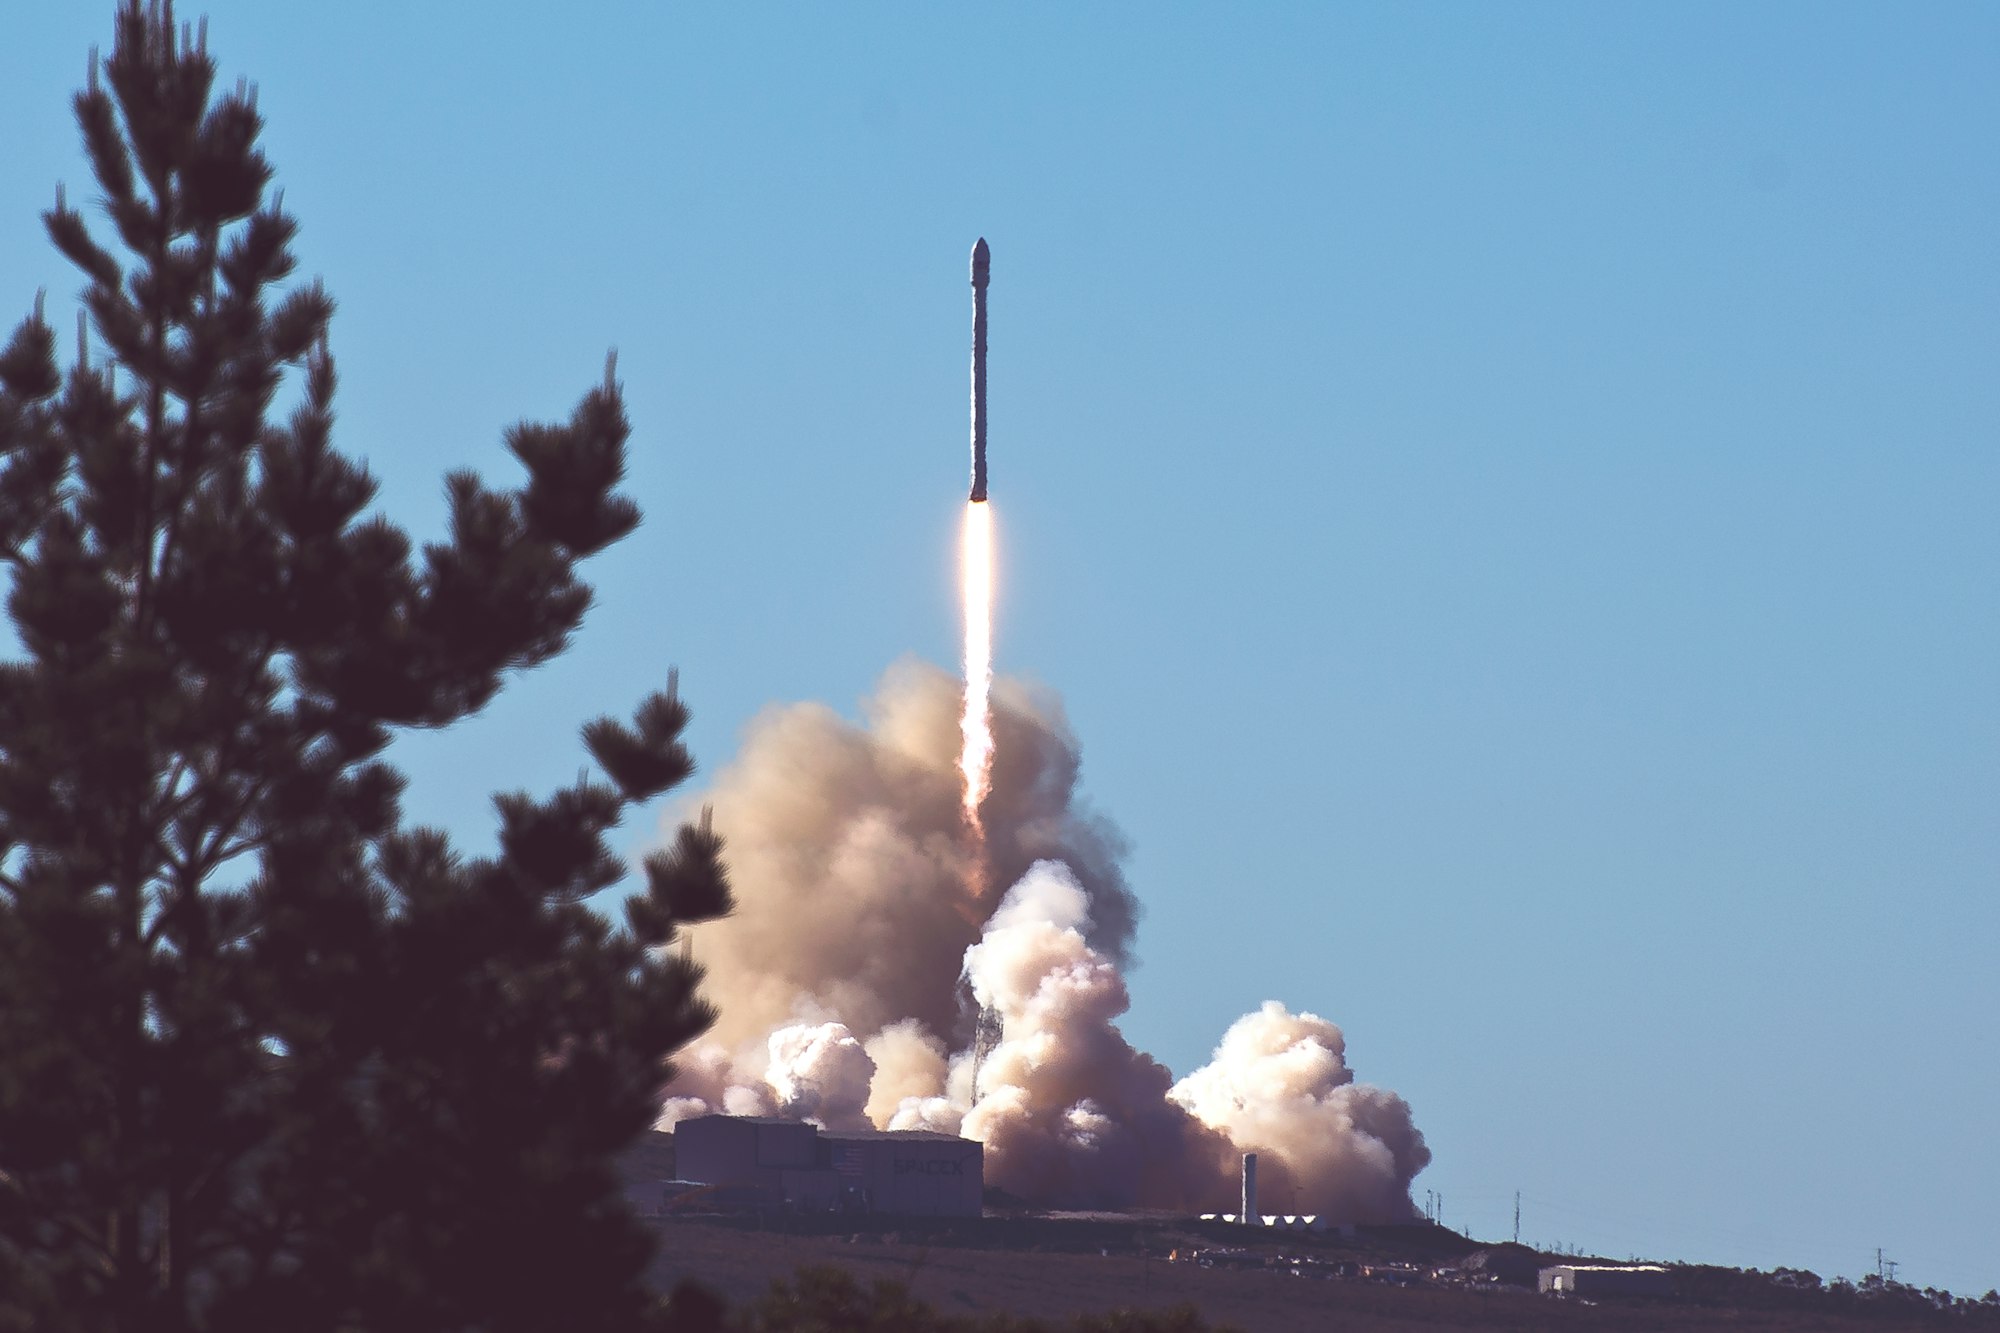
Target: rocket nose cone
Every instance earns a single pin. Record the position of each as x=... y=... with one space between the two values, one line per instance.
x=981 y=260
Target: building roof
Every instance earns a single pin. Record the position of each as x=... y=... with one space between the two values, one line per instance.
x=898 y=1135
x=867 y=1135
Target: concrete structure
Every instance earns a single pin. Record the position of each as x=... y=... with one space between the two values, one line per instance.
x=1248 y=1212
x=1607 y=1280
x=801 y=1166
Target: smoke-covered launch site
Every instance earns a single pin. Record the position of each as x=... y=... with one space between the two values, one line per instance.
x=937 y=942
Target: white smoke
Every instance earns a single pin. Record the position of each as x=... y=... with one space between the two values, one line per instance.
x=1279 y=1086
x=851 y=977
x=910 y=1066
x=849 y=844
x=1070 y=1113
x=819 y=1072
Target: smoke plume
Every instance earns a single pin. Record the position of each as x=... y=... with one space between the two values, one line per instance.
x=849 y=842
x=853 y=976
x=1069 y=1112
x=1279 y=1086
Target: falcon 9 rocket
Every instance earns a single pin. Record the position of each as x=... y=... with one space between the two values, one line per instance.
x=981 y=262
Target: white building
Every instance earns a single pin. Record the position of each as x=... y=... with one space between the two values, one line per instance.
x=1607 y=1280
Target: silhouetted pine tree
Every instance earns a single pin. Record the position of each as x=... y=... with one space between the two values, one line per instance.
x=270 y=1059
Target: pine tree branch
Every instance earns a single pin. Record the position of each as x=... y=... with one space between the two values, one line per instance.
x=88 y=1237
x=169 y=790
x=199 y=858
x=153 y=443
x=213 y=853
x=235 y=849
x=185 y=875
x=188 y=473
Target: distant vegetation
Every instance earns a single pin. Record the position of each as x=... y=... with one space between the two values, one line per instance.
x=828 y=1299
x=825 y=1299
x=957 y=1274
x=1799 y=1289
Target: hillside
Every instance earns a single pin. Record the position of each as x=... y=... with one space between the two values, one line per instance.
x=1388 y=1278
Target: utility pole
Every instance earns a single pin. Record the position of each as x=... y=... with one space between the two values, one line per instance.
x=1517 y=1217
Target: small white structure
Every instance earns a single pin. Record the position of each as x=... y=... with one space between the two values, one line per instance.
x=1288 y=1222
x=1607 y=1280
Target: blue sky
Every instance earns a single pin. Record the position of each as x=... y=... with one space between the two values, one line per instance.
x=1507 y=494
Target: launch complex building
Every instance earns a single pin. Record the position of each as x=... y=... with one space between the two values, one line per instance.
x=804 y=1168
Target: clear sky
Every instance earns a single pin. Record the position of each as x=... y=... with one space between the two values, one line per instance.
x=1507 y=492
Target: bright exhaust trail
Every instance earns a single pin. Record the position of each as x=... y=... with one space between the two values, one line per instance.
x=975 y=762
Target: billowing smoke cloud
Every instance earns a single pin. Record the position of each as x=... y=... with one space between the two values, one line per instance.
x=820 y=1073
x=849 y=845
x=851 y=978
x=1069 y=1112
x=910 y=1066
x=1279 y=1086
